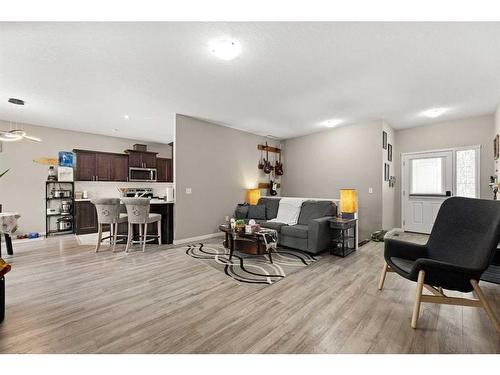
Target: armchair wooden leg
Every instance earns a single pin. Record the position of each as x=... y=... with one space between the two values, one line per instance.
x=382 y=276
x=99 y=238
x=418 y=299
x=486 y=306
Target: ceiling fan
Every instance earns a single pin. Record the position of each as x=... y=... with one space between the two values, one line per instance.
x=16 y=134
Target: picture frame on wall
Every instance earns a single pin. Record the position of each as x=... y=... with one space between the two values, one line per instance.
x=384 y=140
x=496 y=147
x=386 y=172
x=389 y=152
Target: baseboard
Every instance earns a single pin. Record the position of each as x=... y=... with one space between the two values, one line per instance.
x=199 y=238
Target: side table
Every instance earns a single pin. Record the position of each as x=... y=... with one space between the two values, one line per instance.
x=341 y=238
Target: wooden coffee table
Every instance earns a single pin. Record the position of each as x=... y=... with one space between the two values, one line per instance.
x=248 y=243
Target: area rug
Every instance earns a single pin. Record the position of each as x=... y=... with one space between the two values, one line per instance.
x=252 y=269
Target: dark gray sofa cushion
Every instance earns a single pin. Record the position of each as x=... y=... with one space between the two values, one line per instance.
x=314 y=210
x=241 y=212
x=272 y=205
x=257 y=212
x=273 y=225
x=299 y=231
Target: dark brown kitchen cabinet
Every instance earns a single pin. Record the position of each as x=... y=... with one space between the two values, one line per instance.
x=135 y=159
x=101 y=166
x=161 y=170
x=149 y=159
x=119 y=168
x=141 y=159
x=85 y=165
x=164 y=170
x=170 y=170
x=85 y=217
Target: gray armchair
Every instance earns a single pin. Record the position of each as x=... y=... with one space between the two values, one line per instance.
x=460 y=248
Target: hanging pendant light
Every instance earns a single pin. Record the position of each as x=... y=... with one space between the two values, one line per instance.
x=13 y=135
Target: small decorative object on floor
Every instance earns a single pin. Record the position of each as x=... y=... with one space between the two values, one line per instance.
x=342 y=240
x=378 y=236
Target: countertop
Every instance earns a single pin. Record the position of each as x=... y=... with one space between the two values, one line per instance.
x=151 y=201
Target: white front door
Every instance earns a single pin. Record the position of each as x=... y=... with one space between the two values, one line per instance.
x=427 y=182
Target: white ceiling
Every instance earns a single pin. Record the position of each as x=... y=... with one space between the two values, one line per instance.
x=288 y=78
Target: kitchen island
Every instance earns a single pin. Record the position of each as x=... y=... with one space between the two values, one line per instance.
x=86 y=219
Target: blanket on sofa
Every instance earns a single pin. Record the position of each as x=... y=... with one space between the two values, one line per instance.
x=289 y=211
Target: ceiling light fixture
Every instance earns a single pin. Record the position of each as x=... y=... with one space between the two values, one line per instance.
x=115 y=129
x=126 y=117
x=331 y=123
x=434 y=112
x=15 y=133
x=16 y=101
x=225 y=49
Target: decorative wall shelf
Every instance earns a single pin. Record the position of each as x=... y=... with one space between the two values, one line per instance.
x=269 y=149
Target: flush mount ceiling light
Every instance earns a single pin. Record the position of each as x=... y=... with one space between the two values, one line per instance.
x=16 y=101
x=331 y=123
x=434 y=112
x=126 y=117
x=15 y=133
x=225 y=49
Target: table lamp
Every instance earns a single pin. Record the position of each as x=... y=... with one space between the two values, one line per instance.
x=348 y=203
x=253 y=196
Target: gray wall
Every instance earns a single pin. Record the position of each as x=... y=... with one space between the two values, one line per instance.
x=319 y=165
x=464 y=132
x=219 y=164
x=22 y=189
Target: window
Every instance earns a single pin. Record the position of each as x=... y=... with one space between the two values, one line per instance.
x=427 y=177
x=466 y=173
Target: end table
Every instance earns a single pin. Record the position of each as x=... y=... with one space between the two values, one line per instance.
x=341 y=238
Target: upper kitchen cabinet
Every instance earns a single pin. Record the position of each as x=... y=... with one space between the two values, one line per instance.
x=165 y=171
x=101 y=166
x=141 y=159
x=85 y=165
x=119 y=168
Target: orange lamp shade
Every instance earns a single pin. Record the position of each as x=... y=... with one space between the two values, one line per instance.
x=348 y=201
x=253 y=196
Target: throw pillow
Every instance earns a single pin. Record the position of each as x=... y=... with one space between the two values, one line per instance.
x=257 y=212
x=241 y=212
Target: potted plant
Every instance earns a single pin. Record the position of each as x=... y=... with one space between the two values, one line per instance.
x=239 y=225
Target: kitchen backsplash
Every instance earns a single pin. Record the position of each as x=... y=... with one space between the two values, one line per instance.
x=110 y=189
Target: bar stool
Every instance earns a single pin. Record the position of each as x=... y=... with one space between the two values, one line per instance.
x=138 y=213
x=108 y=212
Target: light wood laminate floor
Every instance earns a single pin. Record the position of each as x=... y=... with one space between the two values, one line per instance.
x=64 y=298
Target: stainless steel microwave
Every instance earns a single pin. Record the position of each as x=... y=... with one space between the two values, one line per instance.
x=142 y=174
